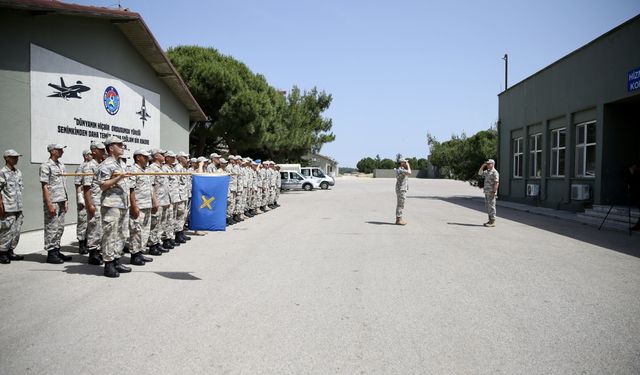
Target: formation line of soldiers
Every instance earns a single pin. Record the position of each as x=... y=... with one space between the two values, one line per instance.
x=123 y=208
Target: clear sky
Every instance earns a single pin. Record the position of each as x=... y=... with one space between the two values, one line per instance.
x=396 y=69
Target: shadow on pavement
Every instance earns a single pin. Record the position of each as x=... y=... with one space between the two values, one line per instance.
x=380 y=223
x=466 y=224
x=616 y=241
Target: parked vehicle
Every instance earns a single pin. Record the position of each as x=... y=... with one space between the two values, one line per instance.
x=317 y=173
x=292 y=180
x=289 y=167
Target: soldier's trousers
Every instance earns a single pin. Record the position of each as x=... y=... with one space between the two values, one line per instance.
x=401 y=194
x=53 y=227
x=490 y=204
x=81 y=228
x=10 y=226
x=155 y=234
x=277 y=193
x=231 y=203
x=272 y=194
x=238 y=203
x=181 y=216
x=265 y=197
x=94 y=231
x=169 y=223
x=115 y=231
x=139 y=230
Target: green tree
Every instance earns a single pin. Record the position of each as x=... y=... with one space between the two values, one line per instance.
x=387 y=164
x=366 y=165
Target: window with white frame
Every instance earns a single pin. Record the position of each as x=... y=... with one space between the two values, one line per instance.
x=558 y=151
x=535 y=155
x=518 y=156
x=586 y=149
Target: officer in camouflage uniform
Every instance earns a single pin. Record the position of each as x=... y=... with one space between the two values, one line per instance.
x=233 y=188
x=169 y=236
x=215 y=162
x=91 y=192
x=278 y=185
x=81 y=227
x=56 y=204
x=142 y=201
x=402 y=185
x=256 y=187
x=114 y=205
x=226 y=168
x=272 y=185
x=161 y=189
x=264 y=173
x=10 y=207
x=240 y=190
x=491 y=183
x=183 y=190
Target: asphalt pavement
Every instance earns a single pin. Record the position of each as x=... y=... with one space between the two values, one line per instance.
x=326 y=284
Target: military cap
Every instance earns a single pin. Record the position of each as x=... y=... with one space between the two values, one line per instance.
x=141 y=152
x=201 y=159
x=99 y=145
x=223 y=161
x=403 y=160
x=55 y=146
x=183 y=154
x=214 y=155
x=258 y=161
x=11 y=153
x=154 y=151
x=111 y=140
x=170 y=154
x=193 y=160
x=491 y=161
x=86 y=152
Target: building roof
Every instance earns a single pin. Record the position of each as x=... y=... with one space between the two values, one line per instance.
x=608 y=33
x=134 y=29
x=310 y=156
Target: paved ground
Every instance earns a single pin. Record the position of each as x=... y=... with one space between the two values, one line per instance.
x=325 y=284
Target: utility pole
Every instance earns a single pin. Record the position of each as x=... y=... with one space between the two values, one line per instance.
x=506 y=70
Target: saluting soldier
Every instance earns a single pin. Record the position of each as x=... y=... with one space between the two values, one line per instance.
x=161 y=189
x=491 y=183
x=81 y=227
x=114 y=202
x=143 y=202
x=402 y=185
x=91 y=192
x=56 y=204
x=10 y=207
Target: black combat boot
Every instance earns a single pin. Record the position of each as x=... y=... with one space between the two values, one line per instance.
x=14 y=256
x=94 y=258
x=4 y=257
x=237 y=218
x=110 y=269
x=82 y=247
x=167 y=245
x=161 y=248
x=53 y=257
x=65 y=258
x=137 y=260
x=276 y=204
x=153 y=250
x=186 y=238
x=125 y=249
x=146 y=259
x=121 y=267
x=179 y=238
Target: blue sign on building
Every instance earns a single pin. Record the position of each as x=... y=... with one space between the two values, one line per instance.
x=634 y=80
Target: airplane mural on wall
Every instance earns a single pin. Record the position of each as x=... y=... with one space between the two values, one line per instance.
x=143 y=112
x=67 y=92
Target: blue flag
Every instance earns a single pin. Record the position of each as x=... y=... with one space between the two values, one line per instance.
x=209 y=202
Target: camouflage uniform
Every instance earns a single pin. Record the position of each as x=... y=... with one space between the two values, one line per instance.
x=491 y=178
x=189 y=189
x=272 y=185
x=10 y=225
x=114 y=208
x=211 y=168
x=94 y=225
x=278 y=184
x=81 y=228
x=174 y=197
x=159 y=219
x=402 y=185
x=240 y=190
x=140 y=227
x=51 y=174
x=233 y=188
x=183 y=197
x=265 y=187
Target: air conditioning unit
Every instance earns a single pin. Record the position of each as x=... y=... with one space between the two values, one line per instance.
x=533 y=190
x=580 y=192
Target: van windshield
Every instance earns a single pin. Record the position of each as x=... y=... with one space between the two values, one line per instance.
x=318 y=173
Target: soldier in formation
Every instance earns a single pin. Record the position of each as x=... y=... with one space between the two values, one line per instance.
x=81 y=227
x=10 y=207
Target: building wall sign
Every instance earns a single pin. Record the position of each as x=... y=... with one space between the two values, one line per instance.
x=73 y=104
x=633 y=84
